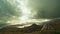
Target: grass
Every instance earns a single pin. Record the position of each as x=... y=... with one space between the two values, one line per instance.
x=39 y=32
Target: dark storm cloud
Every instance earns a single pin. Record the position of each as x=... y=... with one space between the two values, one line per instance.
x=7 y=12
x=46 y=8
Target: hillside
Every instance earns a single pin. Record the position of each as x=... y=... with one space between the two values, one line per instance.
x=50 y=27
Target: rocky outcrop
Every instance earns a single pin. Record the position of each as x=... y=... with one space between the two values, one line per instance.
x=54 y=24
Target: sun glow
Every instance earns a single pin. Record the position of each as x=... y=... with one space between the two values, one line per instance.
x=24 y=10
x=26 y=13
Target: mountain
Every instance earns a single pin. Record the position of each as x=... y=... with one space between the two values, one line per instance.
x=31 y=28
x=52 y=26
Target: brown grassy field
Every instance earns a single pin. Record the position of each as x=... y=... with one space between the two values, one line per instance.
x=39 y=32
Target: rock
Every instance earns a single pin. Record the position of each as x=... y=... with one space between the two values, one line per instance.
x=52 y=25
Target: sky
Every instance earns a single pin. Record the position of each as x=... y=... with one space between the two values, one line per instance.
x=45 y=8
x=13 y=11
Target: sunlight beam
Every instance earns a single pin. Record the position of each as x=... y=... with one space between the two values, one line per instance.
x=24 y=10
